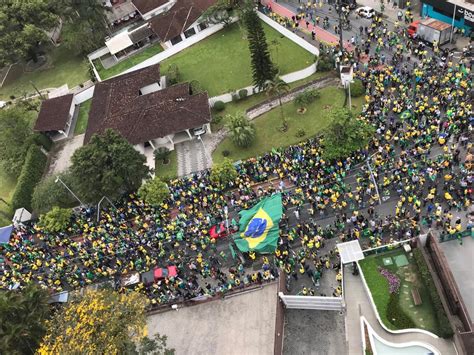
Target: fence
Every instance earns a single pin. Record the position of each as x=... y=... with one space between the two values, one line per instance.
x=312 y=302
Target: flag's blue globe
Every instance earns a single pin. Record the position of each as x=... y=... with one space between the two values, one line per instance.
x=256 y=227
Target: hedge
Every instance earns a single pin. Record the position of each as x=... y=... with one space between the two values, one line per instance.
x=396 y=315
x=43 y=140
x=445 y=329
x=357 y=88
x=30 y=176
x=219 y=106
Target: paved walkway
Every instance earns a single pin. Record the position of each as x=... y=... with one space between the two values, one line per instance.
x=192 y=156
x=358 y=303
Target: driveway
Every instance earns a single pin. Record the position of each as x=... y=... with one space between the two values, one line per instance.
x=60 y=156
x=192 y=156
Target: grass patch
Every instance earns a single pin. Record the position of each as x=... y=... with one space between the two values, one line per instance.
x=7 y=187
x=135 y=59
x=221 y=62
x=268 y=135
x=63 y=67
x=83 y=117
x=170 y=170
x=423 y=316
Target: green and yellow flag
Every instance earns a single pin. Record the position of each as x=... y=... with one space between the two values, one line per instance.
x=258 y=226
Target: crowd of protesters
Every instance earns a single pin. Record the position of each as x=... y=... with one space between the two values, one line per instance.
x=419 y=163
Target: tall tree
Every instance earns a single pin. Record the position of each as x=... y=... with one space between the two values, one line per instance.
x=23 y=26
x=154 y=191
x=85 y=25
x=49 y=193
x=277 y=87
x=345 y=134
x=15 y=138
x=22 y=319
x=107 y=166
x=262 y=66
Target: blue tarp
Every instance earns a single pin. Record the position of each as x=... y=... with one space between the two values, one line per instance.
x=5 y=233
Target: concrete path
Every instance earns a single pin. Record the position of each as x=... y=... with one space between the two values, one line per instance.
x=192 y=157
x=62 y=153
x=358 y=303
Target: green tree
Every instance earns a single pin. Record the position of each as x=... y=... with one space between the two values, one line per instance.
x=15 y=136
x=85 y=26
x=242 y=131
x=223 y=173
x=345 y=134
x=306 y=97
x=107 y=166
x=163 y=154
x=277 y=87
x=262 y=66
x=23 y=26
x=22 y=319
x=48 y=194
x=154 y=191
x=152 y=346
x=56 y=220
x=218 y=13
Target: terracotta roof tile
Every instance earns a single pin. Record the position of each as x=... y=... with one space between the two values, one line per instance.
x=145 y=6
x=54 y=114
x=139 y=118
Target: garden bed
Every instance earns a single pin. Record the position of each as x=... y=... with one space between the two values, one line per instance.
x=397 y=310
x=83 y=117
x=167 y=171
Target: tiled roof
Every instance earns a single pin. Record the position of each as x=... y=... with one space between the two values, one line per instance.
x=54 y=114
x=145 y=6
x=139 y=118
x=183 y=14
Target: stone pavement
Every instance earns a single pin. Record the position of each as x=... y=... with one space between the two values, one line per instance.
x=62 y=152
x=358 y=304
x=238 y=325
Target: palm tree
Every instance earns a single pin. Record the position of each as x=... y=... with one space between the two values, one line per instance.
x=162 y=153
x=22 y=316
x=277 y=87
x=242 y=132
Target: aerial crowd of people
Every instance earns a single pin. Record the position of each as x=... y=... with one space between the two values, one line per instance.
x=415 y=174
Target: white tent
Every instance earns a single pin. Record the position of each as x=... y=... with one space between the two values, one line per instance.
x=21 y=215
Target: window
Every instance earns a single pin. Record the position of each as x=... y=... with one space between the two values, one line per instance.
x=189 y=32
x=202 y=26
x=176 y=40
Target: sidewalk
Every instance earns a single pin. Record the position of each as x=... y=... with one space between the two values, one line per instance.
x=358 y=304
x=390 y=11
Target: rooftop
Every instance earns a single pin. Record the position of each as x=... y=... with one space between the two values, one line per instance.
x=54 y=113
x=145 y=6
x=118 y=104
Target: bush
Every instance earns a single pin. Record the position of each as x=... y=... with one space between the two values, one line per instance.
x=196 y=87
x=357 y=88
x=56 y=220
x=216 y=119
x=306 y=97
x=325 y=63
x=223 y=173
x=225 y=153
x=31 y=173
x=397 y=315
x=43 y=140
x=219 y=106
x=173 y=75
x=301 y=133
x=243 y=94
x=445 y=329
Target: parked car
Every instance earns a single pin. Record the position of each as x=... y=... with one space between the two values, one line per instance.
x=199 y=131
x=365 y=11
x=164 y=272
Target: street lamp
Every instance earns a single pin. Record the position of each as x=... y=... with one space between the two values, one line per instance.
x=452 y=24
x=58 y=179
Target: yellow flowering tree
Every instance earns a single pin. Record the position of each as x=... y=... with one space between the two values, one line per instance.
x=100 y=322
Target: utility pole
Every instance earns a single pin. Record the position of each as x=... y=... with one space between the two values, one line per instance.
x=373 y=180
x=39 y=93
x=58 y=179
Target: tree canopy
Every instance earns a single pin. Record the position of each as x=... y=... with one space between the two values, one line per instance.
x=100 y=322
x=15 y=138
x=22 y=319
x=242 y=131
x=223 y=173
x=107 y=166
x=56 y=220
x=345 y=134
x=48 y=193
x=154 y=191
x=23 y=26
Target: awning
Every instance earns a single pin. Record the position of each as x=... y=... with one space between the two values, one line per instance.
x=21 y=215
x=119 y=42
x=5 y=233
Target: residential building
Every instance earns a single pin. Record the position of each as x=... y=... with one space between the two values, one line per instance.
x=55 y=116
x=148 y=115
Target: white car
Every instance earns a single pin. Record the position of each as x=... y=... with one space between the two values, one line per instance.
x=365 y=11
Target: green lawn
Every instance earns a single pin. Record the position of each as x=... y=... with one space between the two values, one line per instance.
x=221 y=62
x=268 y=135
x=127 y=63
x=83 y=117
x=170 y=170
x=7 y=186
x=62 y=68
x=422 y=315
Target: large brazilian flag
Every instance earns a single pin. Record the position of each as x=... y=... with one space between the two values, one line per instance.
x=258 y=226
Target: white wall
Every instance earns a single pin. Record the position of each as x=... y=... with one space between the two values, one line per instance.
x=84 y=95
